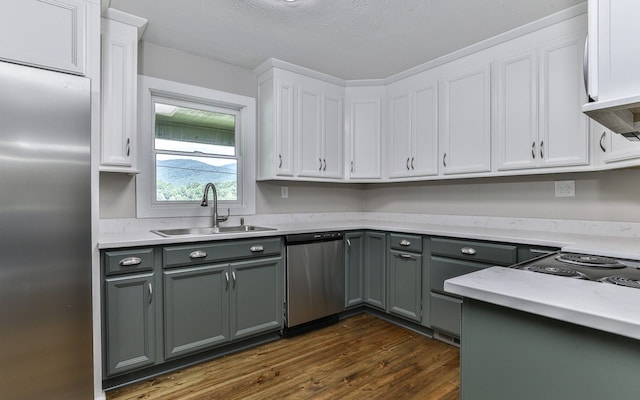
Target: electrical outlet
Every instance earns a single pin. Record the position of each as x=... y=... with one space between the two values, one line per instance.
x=284 y=191
x=565 y=188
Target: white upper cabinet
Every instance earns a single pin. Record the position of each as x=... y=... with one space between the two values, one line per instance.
x=413 y=127
x=613 y=149
x=275 y=127
x=564 y=135
x=516 y=127
x=539 y=93
x=49 y=34
x=320 y=130
x=120 y=34
x=364 y=122
x=614 y=50
x=300 y=126
x=465 y=117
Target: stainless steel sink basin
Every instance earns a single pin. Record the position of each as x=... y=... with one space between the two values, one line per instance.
x=211 y=231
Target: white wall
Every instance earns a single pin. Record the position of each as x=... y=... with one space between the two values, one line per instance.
x=606 y=196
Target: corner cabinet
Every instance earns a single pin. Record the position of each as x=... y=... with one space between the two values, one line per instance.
x=364 y=122
x=354 y=268
x=375 y=272
x=119 y=91
x=49 y=34
x=465 y=117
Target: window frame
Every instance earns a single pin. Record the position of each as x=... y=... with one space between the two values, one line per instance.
x=151 y=88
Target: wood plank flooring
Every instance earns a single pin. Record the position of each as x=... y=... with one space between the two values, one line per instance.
x=362 y=357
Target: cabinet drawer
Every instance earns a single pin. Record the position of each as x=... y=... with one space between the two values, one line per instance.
x=208 y=252
x=410 y=243
x=446 y=313
x=493 y=253
x=442 y=269
x=123 y=261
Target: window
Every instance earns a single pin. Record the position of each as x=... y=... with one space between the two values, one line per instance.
x=191 y=136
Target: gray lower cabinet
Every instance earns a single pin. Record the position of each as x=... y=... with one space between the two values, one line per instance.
x=375 y=269
x=256 y=297
x=196 y=309
x=129 y=322
x=405 y=276
x=210 y=305
x=354 y=268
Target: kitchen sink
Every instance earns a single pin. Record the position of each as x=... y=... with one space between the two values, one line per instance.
x=210 y=230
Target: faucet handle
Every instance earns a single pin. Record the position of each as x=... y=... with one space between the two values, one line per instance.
x=224 y=218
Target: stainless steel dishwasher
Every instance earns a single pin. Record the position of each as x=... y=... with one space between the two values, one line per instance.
x=315 y=280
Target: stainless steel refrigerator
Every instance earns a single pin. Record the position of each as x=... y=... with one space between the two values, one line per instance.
x=45 y=235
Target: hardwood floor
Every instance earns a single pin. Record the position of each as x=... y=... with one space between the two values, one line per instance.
x=362 y=357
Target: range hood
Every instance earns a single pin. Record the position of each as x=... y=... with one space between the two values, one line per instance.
x=620 y=115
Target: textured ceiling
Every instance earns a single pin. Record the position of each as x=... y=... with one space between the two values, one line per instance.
x=350 y=39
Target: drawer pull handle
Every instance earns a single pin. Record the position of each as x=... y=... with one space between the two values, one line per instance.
x=468 y=251
x=129 y=261
x=198 y=254
x=233 y=275
x=405 y=243
x=256 y=249
x=407 y=256
x=226 y=276
x=150 y=290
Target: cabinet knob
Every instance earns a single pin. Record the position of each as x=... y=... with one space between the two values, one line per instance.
x=468 y=251
x=405 y=243
x=129 y=261
x=198 y=254
x=256 y=249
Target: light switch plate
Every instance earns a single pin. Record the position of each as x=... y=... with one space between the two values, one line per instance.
x=565 y=188
x=284 y=190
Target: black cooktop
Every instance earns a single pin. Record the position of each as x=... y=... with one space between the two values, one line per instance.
x=588 y=267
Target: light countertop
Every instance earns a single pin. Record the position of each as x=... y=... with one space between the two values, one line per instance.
x=138 y=232
x=596 y=305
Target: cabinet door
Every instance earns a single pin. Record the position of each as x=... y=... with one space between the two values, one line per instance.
x=400 y=134
x=129 y=323
x=466 y=121
x=365 y=138
x=375 y=249
x=618 y=51
x=405 y=285
x=119 y=83
x=517 y=111
x=424 y=130
x=256 y=296
x=309 y=133
x=196 y=309
x=354 y=269
x=564 y=138
x=333 y=135
x=615 y=147
x=284 y=124
x=44 y=33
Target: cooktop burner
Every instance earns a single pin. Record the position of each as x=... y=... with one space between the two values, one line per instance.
x=555 y=270
x=589 y=261
x=622 y=281
x=613 y=271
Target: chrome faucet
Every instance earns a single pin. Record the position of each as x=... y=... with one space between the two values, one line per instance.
x=205 y=203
